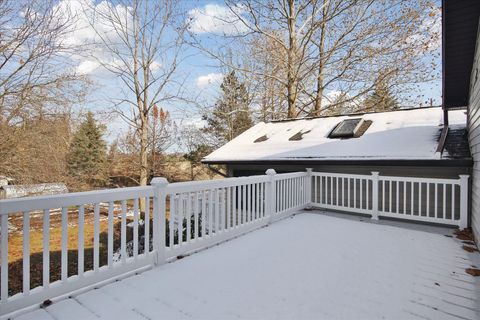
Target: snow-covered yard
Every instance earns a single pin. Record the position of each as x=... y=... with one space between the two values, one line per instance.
x=310 y=266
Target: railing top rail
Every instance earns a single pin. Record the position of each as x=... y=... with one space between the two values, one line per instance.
x=342 y=175
x=73 y=199
x=191 y=186
x=282 y=176
x=418 y=179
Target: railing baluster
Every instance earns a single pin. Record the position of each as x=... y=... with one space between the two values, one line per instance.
x=390 y=196
x=204 y=213
x=123 y=232
x=404 y=197
x=96 y=236
x=453 y=201
x=349 y=205
x=4 y=258
x=320 y=200
x=412 y=190
x=81 y=241
x=171 y=220
x=244 y=204
x=249 y=202
x=146 y=225
x=257 y=195
x=46 y=248
x=361 y=193
x=262 y=202
x=217 y=209
x=180 y=216
x=26 y=252
x=110 y=234
x=384 y=195
x=436 y=200
x=135 y=228
x=336 y=191
x=189 y=216
x=397 y=192
x=355 y=193
x=195 y=218
x=210 y=211
x=444 y=211
x=428 y=200
x=420 y=199
x=64 y=263
x=234 y=206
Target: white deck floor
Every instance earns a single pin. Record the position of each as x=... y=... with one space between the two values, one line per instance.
x=311 y=266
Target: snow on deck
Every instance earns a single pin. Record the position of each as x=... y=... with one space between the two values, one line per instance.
x=404 y=134
x=311 y=266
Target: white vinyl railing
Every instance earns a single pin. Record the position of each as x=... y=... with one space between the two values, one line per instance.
x=176 y=219
x=133 y=229
x=434 y=200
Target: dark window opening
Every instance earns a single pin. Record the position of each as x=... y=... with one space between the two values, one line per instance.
x=347 y=128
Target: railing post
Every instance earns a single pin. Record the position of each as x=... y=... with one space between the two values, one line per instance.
x=270 y=197
x=308 y=186
x=374 y=195
x=463 y=223
x=159 y=204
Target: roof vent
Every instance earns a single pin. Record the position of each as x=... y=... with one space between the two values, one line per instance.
x=347 y=128
x=298 y=136
x=261 y=139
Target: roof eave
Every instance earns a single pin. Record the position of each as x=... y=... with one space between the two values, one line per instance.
x=372 y=162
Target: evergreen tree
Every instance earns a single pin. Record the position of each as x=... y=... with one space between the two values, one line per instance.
x=381 y=99
x=231 y=113
x=87 y=160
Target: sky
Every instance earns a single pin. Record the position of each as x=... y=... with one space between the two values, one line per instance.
x=201 y=75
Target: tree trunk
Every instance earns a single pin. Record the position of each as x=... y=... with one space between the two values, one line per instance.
x=321 y=62
x=292 y=52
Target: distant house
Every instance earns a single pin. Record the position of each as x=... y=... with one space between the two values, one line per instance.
x=406 y=143
x=20 y=191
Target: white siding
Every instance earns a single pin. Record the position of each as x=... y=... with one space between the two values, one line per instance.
x=474 y=139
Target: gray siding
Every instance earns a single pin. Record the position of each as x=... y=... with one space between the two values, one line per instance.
x=474 y=139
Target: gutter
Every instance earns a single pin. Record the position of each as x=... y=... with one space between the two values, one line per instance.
x=353 y=162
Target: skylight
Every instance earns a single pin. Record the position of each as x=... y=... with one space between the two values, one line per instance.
x=347 y=128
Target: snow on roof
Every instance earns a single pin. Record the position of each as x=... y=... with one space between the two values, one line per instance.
x=405 y=134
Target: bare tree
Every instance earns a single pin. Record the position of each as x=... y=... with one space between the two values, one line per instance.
x=311 y=48
x=35 y=77
x=145 y=44
x=361 y=43
x=38 y=88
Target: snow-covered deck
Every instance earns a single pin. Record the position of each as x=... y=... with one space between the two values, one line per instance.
x=310 y=266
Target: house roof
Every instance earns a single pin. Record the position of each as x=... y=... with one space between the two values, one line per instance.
x=459 y=27
x=396 y=135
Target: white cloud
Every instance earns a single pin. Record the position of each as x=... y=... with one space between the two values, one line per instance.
x=208 y=79
x=89 y=26
x=214 y=18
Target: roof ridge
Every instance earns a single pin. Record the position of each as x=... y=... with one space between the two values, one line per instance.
x=351 y=114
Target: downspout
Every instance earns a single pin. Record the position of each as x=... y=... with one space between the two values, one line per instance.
x=215 y=170
x=444 y=134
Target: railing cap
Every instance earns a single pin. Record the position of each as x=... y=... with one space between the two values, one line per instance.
x=271 y=172
x=159 y=182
